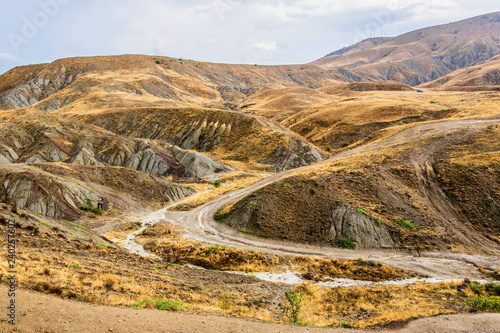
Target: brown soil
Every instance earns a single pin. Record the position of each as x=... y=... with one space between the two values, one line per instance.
x=42 y=313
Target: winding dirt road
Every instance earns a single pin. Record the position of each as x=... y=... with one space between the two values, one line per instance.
x=199 y=223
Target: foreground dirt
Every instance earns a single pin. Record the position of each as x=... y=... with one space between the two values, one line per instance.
x=42 y=313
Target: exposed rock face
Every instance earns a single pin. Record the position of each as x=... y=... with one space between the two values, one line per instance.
x=297 y=154
x=348 y=223
x=492 y=78
x=35 y=90
x=54 y=200
x=224 y=90
x=7 y=154
x=198 y=165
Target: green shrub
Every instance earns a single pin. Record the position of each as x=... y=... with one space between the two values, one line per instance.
x=291 y=309
x=103 y=244
x=85 y=208
x=181 y=61
x=89 y=201
x=481 y=302
x=245 y=230
x=345 y=243
x=286 y=186
x=252 y=203
x=158 y=61
x=221 y=215
x=97 y=211
x=406 y=224
x=217 y=184
x=160 y=304
x=476 y=287
x=73 y=224
x=362 y=212
x=45 y=223
x=379 y=223
x=493 y=288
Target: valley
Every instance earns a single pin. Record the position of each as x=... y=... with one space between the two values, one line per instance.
x=226 y=188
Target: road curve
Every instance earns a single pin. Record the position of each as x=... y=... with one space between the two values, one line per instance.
x=199 y=223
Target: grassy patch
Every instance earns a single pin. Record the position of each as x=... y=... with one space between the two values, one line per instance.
x=221 y=215
x=406 y=224
x=345 y=243
x=103 y=244
x=45 y=223
x=491 y=303
x=362 y=212
x=245 y=230
x=160 y=304
x=73 y=224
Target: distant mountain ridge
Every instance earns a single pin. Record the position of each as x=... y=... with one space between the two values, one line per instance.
x=422 y=55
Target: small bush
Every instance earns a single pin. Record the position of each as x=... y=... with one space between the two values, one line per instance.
x=291 y=309
x=217 y=184
x=286 y=186
x=476 y=287
x=158 y=61
x=85 y=208
x=181 y=61
x=97 y=211
x=491 y=303
x=362 y=212
x=345 y=243
x=221 y=215
x=379 y=223
x=245 y=230
x=493 y=288
x=406 y=224
x=225 y=302
x=252 y=203
x=160 y=304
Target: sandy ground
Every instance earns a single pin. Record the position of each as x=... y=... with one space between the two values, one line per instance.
x=42 y=313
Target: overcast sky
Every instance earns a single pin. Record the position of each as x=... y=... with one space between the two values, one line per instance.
x=229 y=31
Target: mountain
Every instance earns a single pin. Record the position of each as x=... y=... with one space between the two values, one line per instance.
x=422 y=55
x=484 y=76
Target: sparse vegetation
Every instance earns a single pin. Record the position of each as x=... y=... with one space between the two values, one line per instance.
x=291 y=308
x=217 y=184
x=345 y=243
x=406 y=224
x=46 y=224
x=181 y=61
x=245 y=230
x=485 y=303
x=160 y=304
x=362 y=212
x=158 y=61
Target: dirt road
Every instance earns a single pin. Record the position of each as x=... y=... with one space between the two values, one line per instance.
x=199 y=223
x=43 y=313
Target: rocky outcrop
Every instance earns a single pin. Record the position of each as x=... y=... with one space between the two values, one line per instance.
x=296 y=154
x=225 y=90
x=348 y=223
x=202 y=134
x=198 y=165
x=35 y=90
x=7 y=154
x=58 y=200
x=492 y=78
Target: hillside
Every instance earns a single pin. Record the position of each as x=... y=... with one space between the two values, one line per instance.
x=422 y=55
x=484 y=76
x=225 y=186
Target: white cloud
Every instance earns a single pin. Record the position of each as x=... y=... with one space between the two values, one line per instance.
x=266 y=46
x=8 y=57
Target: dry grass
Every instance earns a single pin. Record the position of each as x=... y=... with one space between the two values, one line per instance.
x=380 y=305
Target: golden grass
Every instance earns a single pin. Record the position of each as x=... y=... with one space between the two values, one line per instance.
x=378 y=305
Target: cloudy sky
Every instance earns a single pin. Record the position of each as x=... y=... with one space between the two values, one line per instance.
x=230 y=31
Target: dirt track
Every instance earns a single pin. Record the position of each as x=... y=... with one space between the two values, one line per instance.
x=200 y=225
x=42 y=313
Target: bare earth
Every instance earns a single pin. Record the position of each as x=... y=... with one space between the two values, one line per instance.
x=42 y=313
